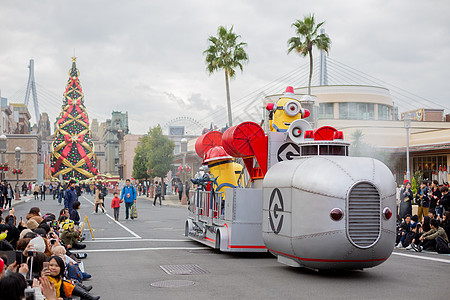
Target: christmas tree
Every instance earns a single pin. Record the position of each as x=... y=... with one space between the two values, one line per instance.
x=73 y=154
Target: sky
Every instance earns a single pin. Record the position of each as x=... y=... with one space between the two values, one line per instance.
x=146 y=57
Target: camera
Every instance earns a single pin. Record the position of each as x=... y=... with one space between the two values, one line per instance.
x=52 y=241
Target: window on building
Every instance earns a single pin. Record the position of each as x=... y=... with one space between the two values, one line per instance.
x=383 y=112
x=356 y=111
x=429 y=166
x=326 y=111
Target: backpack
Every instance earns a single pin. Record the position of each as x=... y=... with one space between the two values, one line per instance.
x=73 y=272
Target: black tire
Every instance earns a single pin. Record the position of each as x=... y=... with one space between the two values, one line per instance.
x=186 y=229
x=217 y=246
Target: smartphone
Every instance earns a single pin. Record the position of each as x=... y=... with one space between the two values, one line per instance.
x=19 y=257
x=45 y=264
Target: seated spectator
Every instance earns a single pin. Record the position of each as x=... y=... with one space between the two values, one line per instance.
x=70 y=237
x=433 y=238
x=445 y=200
x=73 y=271
x=55 y=274
x=416 y=232
x=35 y=214
x=446 y=222
x=74 y=216
x=12 y=287
x=403 y=229
x=426 y=224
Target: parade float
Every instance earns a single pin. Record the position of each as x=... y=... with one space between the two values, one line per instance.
x=306 y=201
x=73 y=155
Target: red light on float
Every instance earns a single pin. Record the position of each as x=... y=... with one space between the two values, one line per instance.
x=336 y=214
x=387 y=213
x=309 y=134
x=306 y=114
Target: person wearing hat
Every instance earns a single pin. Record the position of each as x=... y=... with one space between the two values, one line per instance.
x=406 y=197
x=69 y=236
x=32 y=224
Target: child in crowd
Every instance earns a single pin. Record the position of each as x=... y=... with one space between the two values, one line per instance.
x=115 y=204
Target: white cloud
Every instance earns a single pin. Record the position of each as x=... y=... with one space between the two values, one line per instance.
x=145 y=57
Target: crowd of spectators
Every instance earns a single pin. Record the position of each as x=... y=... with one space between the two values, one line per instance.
x=37 y=257
x=429 y=229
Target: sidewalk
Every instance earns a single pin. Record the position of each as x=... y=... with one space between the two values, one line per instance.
x=169 y=200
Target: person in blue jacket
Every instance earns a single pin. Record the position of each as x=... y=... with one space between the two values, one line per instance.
x=70 y=196
x=129 y=196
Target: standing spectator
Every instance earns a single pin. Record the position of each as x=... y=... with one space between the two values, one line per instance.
x=36 y=191
x=187 y=190
x=129 y=196
x=435 y=196
x=157 y=192
x=24 y=188
x=115 y=204
x=8 y=194
x=180 y=190
x=140 y=189
x=423 y=200
x=2 y=194
x=60 y=193
x=50 y=190
x=99 y=199
x=406 y=196
x=70 y=196
x=43 y=189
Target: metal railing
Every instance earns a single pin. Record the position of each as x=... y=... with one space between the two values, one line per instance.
x=205 y=204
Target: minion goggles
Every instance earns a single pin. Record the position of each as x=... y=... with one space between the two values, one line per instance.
x=291 y=108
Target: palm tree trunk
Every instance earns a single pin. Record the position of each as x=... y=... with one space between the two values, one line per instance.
x=310 y=71
x=230 y=120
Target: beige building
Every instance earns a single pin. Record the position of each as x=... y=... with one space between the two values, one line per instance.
x=370 y=109
x=127 y=145
x=28 y=158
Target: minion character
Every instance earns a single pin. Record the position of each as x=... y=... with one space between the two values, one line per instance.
x=221 y=166
x=285 y=111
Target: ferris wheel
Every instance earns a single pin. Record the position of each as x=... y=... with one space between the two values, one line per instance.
x=183 y=126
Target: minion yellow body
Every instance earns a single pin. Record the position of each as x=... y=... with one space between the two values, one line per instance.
x=224 y=171
x=237 y=172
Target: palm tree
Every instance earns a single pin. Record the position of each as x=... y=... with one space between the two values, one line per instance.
x=307 y=37
x=224 y=52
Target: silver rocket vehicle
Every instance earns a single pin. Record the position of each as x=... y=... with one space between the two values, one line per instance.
x=323 y=209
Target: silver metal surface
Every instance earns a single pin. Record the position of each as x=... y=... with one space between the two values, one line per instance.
x=183 y=269
x=363 y=215
x=172 y=283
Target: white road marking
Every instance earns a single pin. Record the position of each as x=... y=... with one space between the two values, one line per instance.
x=135 y=240
x=121 y=225
x=117 y=238
x=140 y=249
x=447 y=261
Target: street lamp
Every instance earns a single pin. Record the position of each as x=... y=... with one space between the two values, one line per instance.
x=17 y=150
x=407 y=120
x=3 y=146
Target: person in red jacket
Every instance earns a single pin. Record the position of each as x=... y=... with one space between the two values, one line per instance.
x=115 y=204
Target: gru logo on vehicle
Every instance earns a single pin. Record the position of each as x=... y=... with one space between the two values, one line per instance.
x=288 y=151
x=276 y=205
